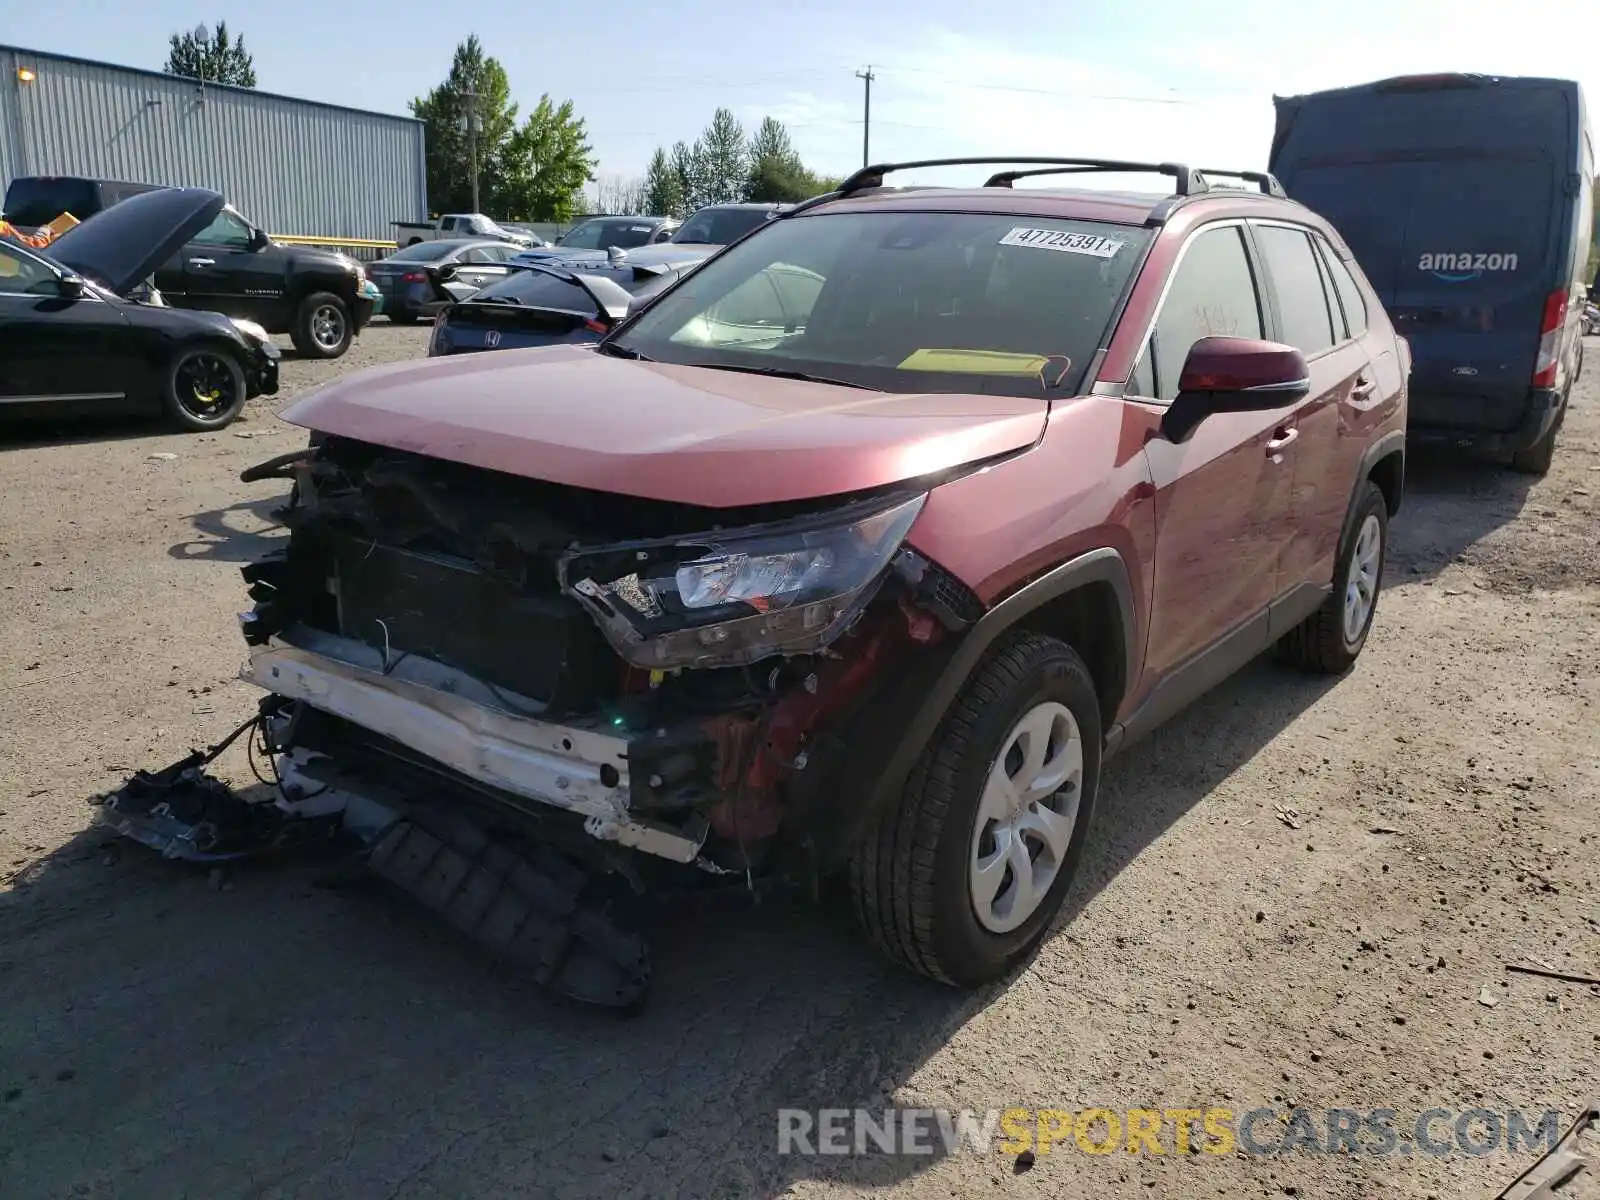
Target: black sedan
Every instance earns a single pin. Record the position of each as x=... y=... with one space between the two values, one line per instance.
x=74 y=340
x=566 y=300
x=424 y=277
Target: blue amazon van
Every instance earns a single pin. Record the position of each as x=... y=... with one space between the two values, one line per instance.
x=1468 y=201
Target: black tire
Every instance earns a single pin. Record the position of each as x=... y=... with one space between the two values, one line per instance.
x=1536 y=459
x=203 y=388
x=322 y=326
x=1321 y=643
x=909 y=877
x=402 y=317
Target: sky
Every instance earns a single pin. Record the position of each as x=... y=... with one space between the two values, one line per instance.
x=1184 y=80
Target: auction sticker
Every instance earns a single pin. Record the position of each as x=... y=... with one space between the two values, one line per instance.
x=1062 y=240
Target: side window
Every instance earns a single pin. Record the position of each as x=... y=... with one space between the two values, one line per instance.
x=477 y=255
x=24 y=276
x=1213 y=294
x=229 y=229
x=1349 y=291
x=447 y=225
x=1297 y=282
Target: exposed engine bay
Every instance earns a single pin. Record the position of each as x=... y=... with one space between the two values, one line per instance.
x=471 y=666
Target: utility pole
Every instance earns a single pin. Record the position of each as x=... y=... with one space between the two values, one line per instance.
x=866 y=115
x=473 y=124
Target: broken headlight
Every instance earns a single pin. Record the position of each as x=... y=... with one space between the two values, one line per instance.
x=730 y=597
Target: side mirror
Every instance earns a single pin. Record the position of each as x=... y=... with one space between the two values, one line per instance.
x=447 y=272
x=258 y=241
x=73 y=287
x=1227 y=374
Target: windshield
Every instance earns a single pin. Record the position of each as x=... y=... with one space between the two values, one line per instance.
x=602 y=235
x=34 y=202
x=902 y=302
x=719 y=226
x=424 y=252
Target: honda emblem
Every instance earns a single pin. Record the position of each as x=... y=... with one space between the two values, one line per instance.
x=491 y=339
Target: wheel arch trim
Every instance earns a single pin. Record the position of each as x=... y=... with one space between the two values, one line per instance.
x=1100 y=566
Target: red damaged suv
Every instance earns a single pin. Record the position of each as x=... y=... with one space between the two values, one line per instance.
x=853 y=554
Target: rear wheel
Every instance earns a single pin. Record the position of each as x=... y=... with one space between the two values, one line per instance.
x=961 y=878
x=322 y=327
x=1536 y=459
x=1331 y=639
x=204 y=388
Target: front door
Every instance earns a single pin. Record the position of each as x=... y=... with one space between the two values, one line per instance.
x=222 y=273
x=56 y=348
x=1222 y=496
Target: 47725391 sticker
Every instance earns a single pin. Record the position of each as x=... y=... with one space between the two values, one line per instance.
x=1062 y=240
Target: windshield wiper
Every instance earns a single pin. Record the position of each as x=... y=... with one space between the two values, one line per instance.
x=783 y=373
x=613 y=350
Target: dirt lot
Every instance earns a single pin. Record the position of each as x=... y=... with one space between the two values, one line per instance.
x=270 y=1037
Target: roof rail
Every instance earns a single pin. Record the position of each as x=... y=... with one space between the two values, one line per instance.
x=1188 y=180
x=1267 y=182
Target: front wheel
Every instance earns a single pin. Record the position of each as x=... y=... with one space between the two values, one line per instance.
x=322 y=327
x=204 y=388
x=961 y=878
x=1331 y=639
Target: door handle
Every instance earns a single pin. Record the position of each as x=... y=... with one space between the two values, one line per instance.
x=202 y=262
x=1282 y=441
x=1362 y=389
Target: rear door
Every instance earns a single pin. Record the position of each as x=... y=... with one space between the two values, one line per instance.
x=1309 y=315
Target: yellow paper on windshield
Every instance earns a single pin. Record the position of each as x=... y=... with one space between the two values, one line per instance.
x=61 y=224
x=975 y=362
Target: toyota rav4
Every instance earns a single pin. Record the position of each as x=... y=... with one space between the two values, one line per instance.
x=852 y=555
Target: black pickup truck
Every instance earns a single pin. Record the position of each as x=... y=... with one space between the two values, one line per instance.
x=321 y=299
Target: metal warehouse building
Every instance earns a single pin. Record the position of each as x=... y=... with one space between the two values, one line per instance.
x=294 y=167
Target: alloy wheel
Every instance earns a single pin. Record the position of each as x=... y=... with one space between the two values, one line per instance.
x=1026 y=817
x=327 y=326
x=207 y=384
x=1361 y=583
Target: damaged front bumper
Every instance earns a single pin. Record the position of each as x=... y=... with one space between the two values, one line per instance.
x=474 y=730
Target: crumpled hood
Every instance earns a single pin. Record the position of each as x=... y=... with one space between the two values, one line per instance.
x=720 y=439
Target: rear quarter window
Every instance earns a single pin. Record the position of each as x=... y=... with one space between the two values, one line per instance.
x=1349 y=292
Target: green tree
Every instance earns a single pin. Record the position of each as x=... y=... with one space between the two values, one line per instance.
x=663 y=190
x=725 y=159
x=771 y=145
x=476 y=87
x=212 y=58
x=688 y=164
x=540 y=171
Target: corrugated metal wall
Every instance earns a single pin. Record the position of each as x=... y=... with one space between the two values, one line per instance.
x=291 y=166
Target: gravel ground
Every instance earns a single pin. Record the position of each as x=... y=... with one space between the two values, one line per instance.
x=167 y=1034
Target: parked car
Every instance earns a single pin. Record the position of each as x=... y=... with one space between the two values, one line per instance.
x=33 y=201
x=602 y=233
x=453 y=226
x=721 y=224
x=421 y=279
x=322 y=299
x=561 y=300
x=73 y=341
x=1478 y=257
x=764 y=595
